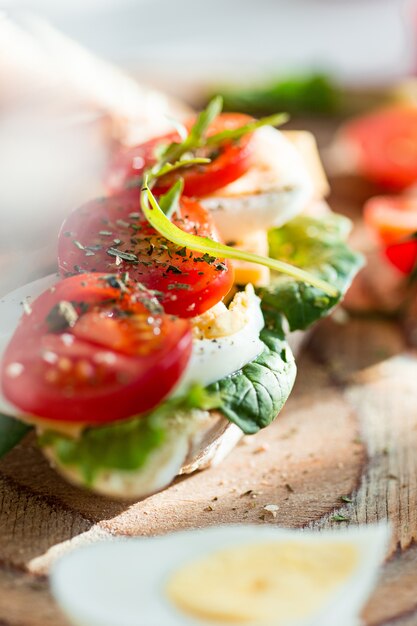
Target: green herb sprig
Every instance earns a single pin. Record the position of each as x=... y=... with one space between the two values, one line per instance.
x=172 y=158
x=170 y=231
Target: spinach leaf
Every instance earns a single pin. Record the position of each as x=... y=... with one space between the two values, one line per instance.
x=11 y=432
x=317 y=245
x=252 y=397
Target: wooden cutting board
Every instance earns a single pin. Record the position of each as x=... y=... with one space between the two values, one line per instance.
x=344 y=447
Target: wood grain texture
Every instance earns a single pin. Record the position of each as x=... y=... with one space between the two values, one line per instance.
x=379 y=382
x=355 y=391
x=25 y=600
x=304 y=463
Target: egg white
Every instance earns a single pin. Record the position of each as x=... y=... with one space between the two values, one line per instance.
x=276 y=188
x=210 y=360
x=214 y=359
x=123 y=581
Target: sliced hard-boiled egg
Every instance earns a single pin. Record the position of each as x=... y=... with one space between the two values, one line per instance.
x=225 y=339
x=277 y=187
x=249 y=575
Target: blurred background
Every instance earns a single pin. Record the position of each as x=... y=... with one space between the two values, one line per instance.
x=65 y=103
x=184 y=45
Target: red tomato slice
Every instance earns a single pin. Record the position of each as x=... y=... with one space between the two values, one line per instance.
x=229 y=161
x=403 y=255
x=112 y=235
x=385 y=145
x=393 y=217
x=94 y=349
x=128 y=163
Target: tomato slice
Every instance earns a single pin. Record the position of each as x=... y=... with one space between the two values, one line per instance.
x=95 y=348
x=127 y=165
x=385 y=145
x=392 y=217
x=112 y=235
x=403 y=255
x=229 y=161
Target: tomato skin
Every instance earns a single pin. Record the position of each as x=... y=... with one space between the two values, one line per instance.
x=232 y=161
x=128 y=164
x=385 y=145
x=403 y=255
x=72 y=375
x=187 y=284
x=393 y=218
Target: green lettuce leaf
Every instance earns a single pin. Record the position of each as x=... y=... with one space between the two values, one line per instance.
x=253 y=397
x=125 y=445
x=319 y=246
x=11 y=432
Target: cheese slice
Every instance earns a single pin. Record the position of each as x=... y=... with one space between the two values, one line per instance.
x=245 y=272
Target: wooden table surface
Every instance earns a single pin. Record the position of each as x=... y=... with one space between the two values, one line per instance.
x=345 y=445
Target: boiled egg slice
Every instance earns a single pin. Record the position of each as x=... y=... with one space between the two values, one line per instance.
x=275 y=189
x=225 y=339
x=249 y=575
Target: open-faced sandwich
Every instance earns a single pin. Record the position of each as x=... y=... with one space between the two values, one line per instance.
x=164 y=336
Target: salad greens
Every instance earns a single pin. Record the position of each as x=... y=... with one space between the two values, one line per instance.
x=124 y=445
x=171 y=157
x=312 y=268
x=250 y=398
x=314 y=93
x=176 y=153
x=311 y=93
x=319 y=245
x=169 y=201
x=253 y=397
x=158 y=219
x=277 y=119
x=11 y=432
